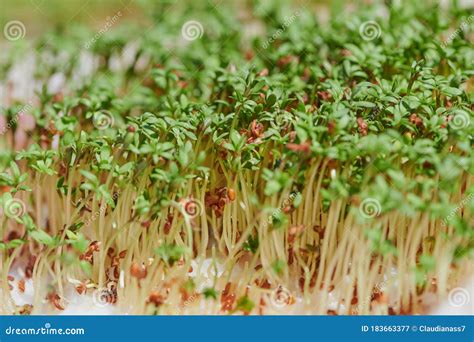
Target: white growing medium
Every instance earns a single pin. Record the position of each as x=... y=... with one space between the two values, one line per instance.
x=85 y=304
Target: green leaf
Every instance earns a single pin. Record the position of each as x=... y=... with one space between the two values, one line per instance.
x=209 y=292
x=170 y=253
x=42 y=237
x=89 y=176
x=245 y=304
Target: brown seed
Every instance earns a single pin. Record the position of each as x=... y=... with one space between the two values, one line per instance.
x=156 y=298
x=261 y=306
x=138 y=271
x=331 y=127
x=169 y=222
x=94 y=246
x=295 y=230
x=55 y=300
x=346 y=52
x=324 y=95
x=256 y=129
x=4 y=188
x=285 y=60
x=182 y=84
x=303 y=147
x=363 y=127
x=30 y=266
x=414 y=119
x=265 y=284
x=231 y=194
x=21 y=285
x=81 y=288
x=228 y=302
x=226 y=289
x=221 y=203
x=249 y=54
x=26 y=309
x=58 y=97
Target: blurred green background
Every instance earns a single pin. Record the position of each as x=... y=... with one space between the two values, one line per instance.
x=42 y=15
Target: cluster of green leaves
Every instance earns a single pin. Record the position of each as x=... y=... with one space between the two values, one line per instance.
x=194 y=108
